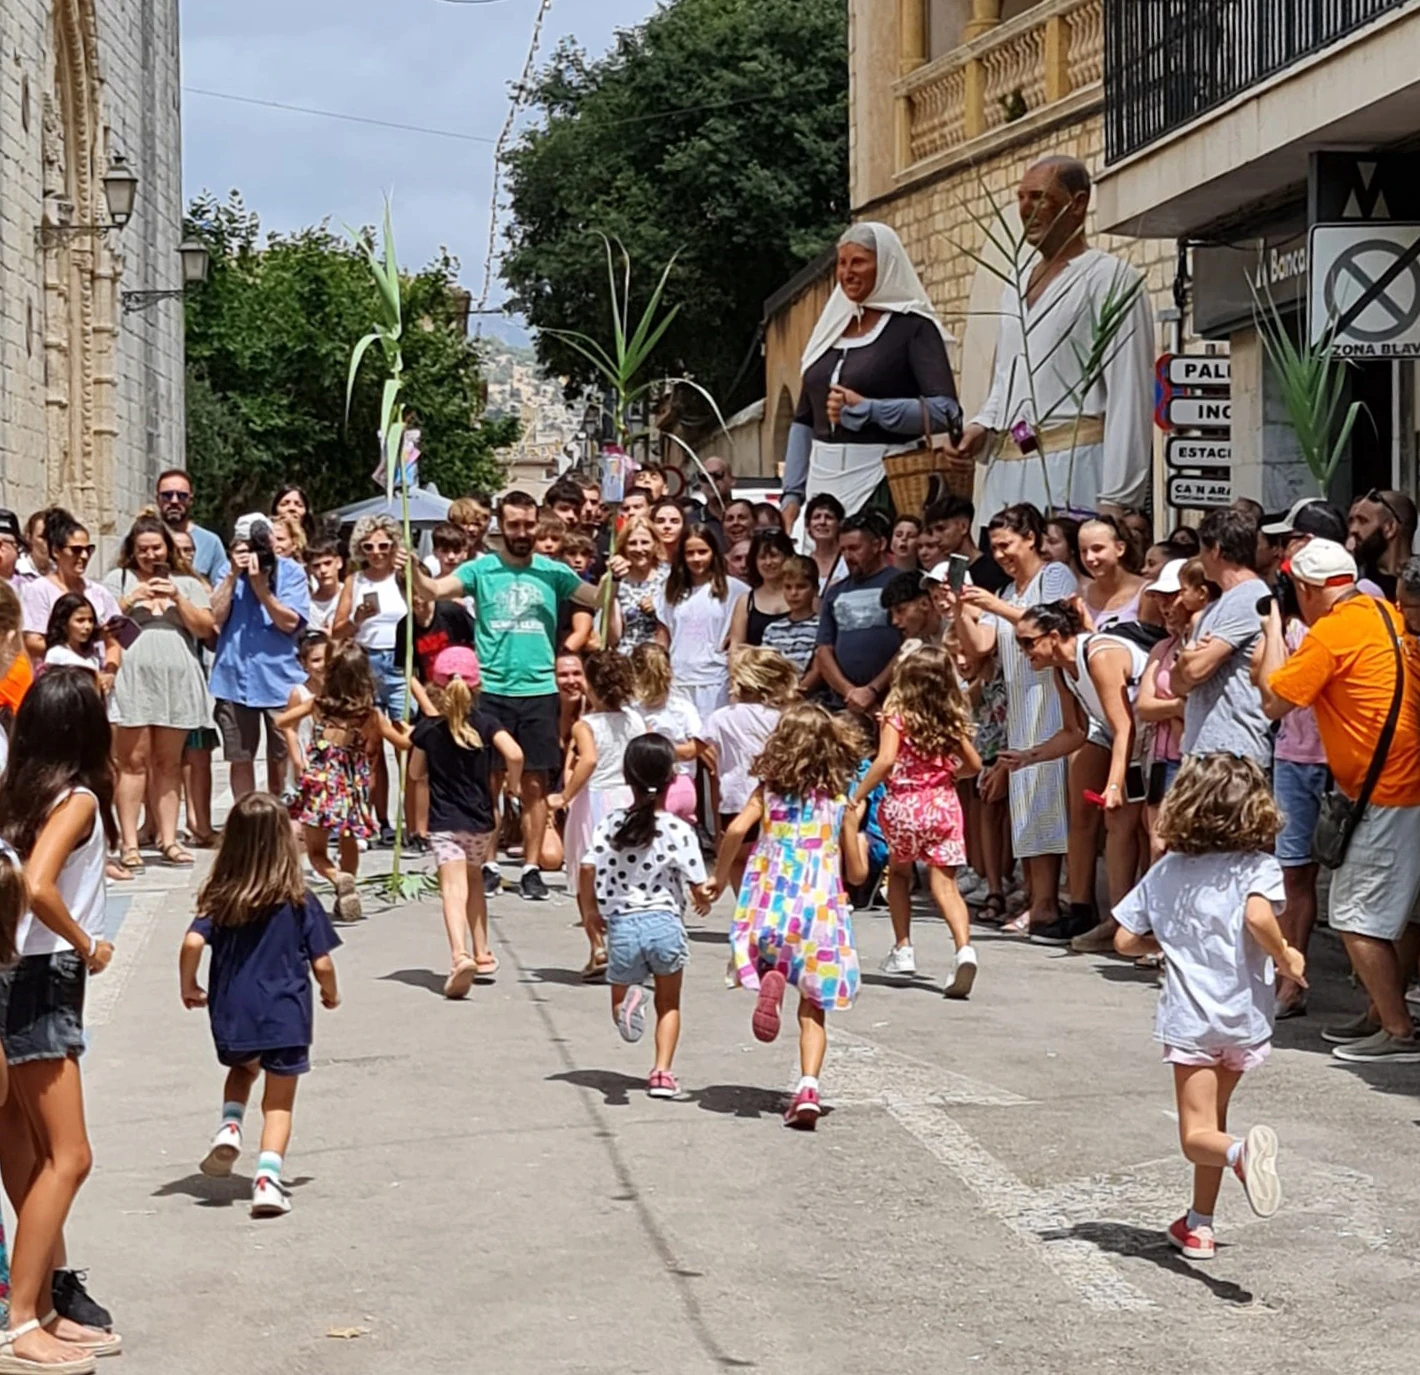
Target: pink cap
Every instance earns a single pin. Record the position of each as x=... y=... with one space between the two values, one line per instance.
x=457 y=661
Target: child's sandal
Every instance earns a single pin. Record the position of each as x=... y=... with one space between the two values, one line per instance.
x=132 y=860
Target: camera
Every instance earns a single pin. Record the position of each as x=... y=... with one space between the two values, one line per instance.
x=255 y=532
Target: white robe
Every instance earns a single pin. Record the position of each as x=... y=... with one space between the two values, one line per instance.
x=1059 y=325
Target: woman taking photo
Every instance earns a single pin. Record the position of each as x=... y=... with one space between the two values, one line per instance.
x=1098 y=676
x=70 y=551
x=822 y=518
x=160 y=694
x=370 y=609
x=764 y=603
x=640 y=580
x=1039 y=817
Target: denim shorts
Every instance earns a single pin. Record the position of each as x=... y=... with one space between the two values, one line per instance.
x=389 y=683
x=42 y=1007
x=1298 y=789
x=284 y=1060
x=640 y=944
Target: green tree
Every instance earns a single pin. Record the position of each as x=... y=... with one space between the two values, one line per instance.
x=268 y=347
x=719 y=130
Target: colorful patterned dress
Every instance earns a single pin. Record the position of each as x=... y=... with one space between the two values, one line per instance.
x=335 y=788
x=921 y=815
x=793 y=914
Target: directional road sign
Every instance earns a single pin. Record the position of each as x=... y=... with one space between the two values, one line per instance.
x=1199 y=370
x=1365 y=288
x=1201 y=412
x=1196 y=493
x=1198 y=453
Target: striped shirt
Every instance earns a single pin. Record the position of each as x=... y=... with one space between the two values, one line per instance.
x=795 y=640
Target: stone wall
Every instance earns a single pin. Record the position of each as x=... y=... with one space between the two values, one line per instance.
x=91 y=402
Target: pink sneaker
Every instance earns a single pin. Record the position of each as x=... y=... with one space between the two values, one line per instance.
x=804 y=1111
x=1197 y=1244
x=765 y=1021
x=662 y=1084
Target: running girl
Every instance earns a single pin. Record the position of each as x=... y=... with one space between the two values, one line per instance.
x=268 y=935
x=73 y=636
x=1210 y=907
x=792 y=923
x=335 y=789
x=595 y=783
x=635 y=876
x=454 y=752
x=56 y=814
x=924 y=746
x=669 y=712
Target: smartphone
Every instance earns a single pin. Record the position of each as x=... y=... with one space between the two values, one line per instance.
x=371 y=602
x=161 y=570
x=1136 y=787
x=1264 y=605
x=957 y=567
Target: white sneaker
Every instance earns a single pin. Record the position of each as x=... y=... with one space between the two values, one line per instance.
x=269 y=1197
x=900 y=960
x=963 y=974
x=222 y=1155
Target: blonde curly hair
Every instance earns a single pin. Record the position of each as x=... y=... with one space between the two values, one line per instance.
x=927 y=698
x=810 y=753
x=1219 y=804
x=365 y=527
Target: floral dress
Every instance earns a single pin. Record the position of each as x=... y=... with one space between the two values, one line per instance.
x=638 y=626
x=921 y=815
x=335 y=788
x=793 y=914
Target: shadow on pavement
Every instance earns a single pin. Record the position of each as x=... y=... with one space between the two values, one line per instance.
x=705 y=937
x=1123 y=1239
x=734 y=1100
x=917 y=981
x=572 y=978
x=219 y=1193
x=417 y=978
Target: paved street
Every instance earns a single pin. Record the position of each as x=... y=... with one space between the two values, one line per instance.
x=484 y=1186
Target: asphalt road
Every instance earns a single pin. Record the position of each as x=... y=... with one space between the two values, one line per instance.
x=485 y=1186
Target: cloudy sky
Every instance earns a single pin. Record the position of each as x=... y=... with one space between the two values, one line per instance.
x=439 y=65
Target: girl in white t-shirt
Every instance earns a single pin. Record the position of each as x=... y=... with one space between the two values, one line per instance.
x=73 y=637
x=636 y=872
x=694 y=612
x=1209 y=906
x=669 y=712
x=56 y=814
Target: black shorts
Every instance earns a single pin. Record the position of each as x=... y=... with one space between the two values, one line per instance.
x=532 y=722
x=42 y=1007
x=286 y=1060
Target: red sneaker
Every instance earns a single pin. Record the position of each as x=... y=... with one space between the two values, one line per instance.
x=765 y=1021
x=1197 y=1244
x=804 y=1111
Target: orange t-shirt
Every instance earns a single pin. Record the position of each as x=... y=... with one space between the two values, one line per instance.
x=16 y=682
x=1345 y=670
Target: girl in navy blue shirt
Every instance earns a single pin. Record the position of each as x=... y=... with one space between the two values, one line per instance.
x=268 y=935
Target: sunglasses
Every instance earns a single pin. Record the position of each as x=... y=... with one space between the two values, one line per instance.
x=80 y=551
x=1026 y=641
x=370 y=548
x=1378 y=497
x=174 y=495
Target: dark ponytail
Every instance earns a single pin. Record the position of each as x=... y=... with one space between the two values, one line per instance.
x=1056 y=618
x=648 y=766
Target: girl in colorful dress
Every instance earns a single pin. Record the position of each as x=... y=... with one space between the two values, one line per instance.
x=668 y=712
x=348 y=731
x=1210 y=907
x=793 y=924
x=595 y=784
x=455 y=752
x=925 y=745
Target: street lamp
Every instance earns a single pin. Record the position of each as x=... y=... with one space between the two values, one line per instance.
x=196 y=262
x=120 y=185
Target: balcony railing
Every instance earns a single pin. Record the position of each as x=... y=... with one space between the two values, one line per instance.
x=1017 y=68
x=1169 y=61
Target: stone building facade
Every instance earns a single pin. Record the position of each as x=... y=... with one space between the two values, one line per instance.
x=91 y=398
x=950 y=102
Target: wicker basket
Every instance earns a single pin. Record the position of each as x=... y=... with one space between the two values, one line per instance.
x=909 y=477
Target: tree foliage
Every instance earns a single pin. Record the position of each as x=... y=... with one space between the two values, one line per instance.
x=268 y=347
x=717 y=130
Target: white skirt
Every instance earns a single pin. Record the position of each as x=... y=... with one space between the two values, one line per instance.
x=851 y=472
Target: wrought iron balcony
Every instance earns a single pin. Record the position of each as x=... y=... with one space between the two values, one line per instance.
x=1169 y=61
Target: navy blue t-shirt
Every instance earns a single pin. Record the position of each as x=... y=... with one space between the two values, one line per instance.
x=259 y=983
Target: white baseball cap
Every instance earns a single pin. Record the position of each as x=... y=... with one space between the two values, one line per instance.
x=1167 y=582
x=939 y=572
x=1322 y=563
x=247 y=525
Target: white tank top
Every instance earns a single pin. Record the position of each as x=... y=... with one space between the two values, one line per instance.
x=1083 y=686
x=81 y=885
x=377 y=632
x=611 y=731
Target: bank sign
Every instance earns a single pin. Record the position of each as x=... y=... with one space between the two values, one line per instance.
x=1365 y=289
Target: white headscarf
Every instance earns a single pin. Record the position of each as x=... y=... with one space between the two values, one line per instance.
x=898 y=289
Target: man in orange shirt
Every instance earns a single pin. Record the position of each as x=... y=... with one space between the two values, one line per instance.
x=1345 y=669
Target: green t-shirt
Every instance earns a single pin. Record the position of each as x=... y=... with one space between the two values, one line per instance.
x=515 y=621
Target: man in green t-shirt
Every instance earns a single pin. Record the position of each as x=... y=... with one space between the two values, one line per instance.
x=516 y=594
